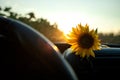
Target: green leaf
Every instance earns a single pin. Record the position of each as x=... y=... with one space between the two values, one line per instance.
x=96 y=31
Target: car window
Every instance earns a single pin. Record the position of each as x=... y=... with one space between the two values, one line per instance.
x=55 y=18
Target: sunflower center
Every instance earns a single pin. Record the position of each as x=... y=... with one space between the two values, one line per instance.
x=86 y=41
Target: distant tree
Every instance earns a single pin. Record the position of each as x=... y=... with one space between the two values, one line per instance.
x=8 y=13
x=7 y=9
x=0 y=8
x=31 y=15
x=55 y=25
x=110 y=38
x=1 y=14
x=13 y=15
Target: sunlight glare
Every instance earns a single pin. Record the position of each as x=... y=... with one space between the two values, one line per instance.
x=66 y=27
x=66 y=21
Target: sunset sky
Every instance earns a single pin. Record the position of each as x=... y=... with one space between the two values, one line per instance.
x=101 y=14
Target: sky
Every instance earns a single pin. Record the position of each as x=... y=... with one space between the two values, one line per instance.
x=101 y=14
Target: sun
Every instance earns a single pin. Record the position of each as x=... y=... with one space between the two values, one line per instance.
x=66 y=20
x=66 y=27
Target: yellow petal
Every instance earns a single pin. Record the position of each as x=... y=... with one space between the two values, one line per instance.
x=92 y=53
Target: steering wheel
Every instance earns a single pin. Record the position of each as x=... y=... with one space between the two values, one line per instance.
x=27 y=54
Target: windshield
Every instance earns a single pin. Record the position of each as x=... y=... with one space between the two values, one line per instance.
x=55 y=18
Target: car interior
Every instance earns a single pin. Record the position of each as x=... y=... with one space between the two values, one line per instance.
x=27 y=54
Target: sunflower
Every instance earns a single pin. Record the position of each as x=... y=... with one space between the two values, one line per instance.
x=83 y=41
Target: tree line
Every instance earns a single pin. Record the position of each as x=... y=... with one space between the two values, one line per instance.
x=110 y=38
x=42 y=25
x=51 y=31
